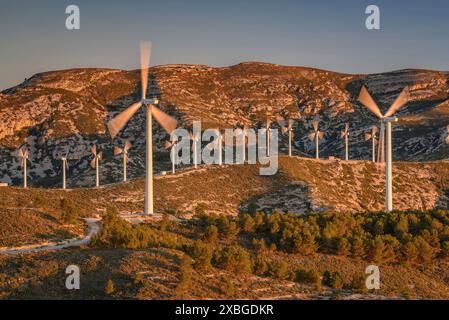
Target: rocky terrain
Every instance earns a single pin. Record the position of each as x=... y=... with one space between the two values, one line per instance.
x=69 y=109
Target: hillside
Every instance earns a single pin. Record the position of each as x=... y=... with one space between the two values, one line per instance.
x=300 y=186
x=70 y=108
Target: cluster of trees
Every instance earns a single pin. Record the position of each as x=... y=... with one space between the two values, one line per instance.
x=118 y=233
x=411 y=237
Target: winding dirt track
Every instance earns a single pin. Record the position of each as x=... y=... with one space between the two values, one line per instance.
x=93 y=229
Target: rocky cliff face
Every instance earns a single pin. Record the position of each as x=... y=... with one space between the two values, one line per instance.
x=69 y=109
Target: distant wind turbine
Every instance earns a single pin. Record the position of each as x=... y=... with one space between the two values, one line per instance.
x=345 y=134
x=95 y=164
x=65 y=166
x=124 y=151
x=195 y=139
x=173 y=152
x=372 y=136
x=167 y=122
x=24 y=154
x=287 y=127
x=385 y=121
x=316 y=136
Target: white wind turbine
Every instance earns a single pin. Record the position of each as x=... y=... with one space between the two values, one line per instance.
x=372 y=136
x=95 y=164
x=267 y=131
x=24 y=154
x=287 y=126
x=345 y=134
x=124 y=151
x=316 y=136
x=195 y=139
x=65 y=166
x=385 y=125
x=167 y=122
x=173 y=153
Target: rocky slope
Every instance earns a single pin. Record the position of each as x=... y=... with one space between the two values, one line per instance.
x=55 y=110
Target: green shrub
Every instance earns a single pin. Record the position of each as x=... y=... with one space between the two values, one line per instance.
x=333 y=280
x=233 y=258
x=70 y=211
x=185 y=278
x=308 y=276
x=211 y=234
x=280 y=270
x=202 y=254
x=247 y=223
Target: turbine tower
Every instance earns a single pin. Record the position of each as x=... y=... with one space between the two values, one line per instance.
x=345 y=134
x=24 y=154
x=95 y=164
x=167 y=122
x=65 y=166
x=385 y=121
x=173 y=153
x=316 y=136
x=372 y=136
x=124 y=151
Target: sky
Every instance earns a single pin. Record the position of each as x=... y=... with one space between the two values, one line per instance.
x=327 y=34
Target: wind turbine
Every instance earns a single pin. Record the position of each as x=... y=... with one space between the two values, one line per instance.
x=316 y=136
x=124 y=151
x=287 y=126
x=194 y=139
x=65 y=166
x=173 y=153
x=385 y=121
x=267 y=130
x=345 y=134
x=167 y=122
x=24 y=154
x=95 y=163
x=372 y=135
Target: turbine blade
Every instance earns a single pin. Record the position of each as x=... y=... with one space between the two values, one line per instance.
x=347 y=127
x=100 y=155
x=400 y=101
x=20 y=153
x=315 y=124
x=290 y=123
x=366 y=99
x=93 y=149
x=320 y=135
x=117 y=151
x=92 y=163
x=312 y=136
x=368 y=136
x=375 y=129
x=145 y=55
x=166 y=121
x=284 y=130
x=128 y=145
x=168 y=144
x=117 y=123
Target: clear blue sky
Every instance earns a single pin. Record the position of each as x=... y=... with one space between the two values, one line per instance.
x=328 y=34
